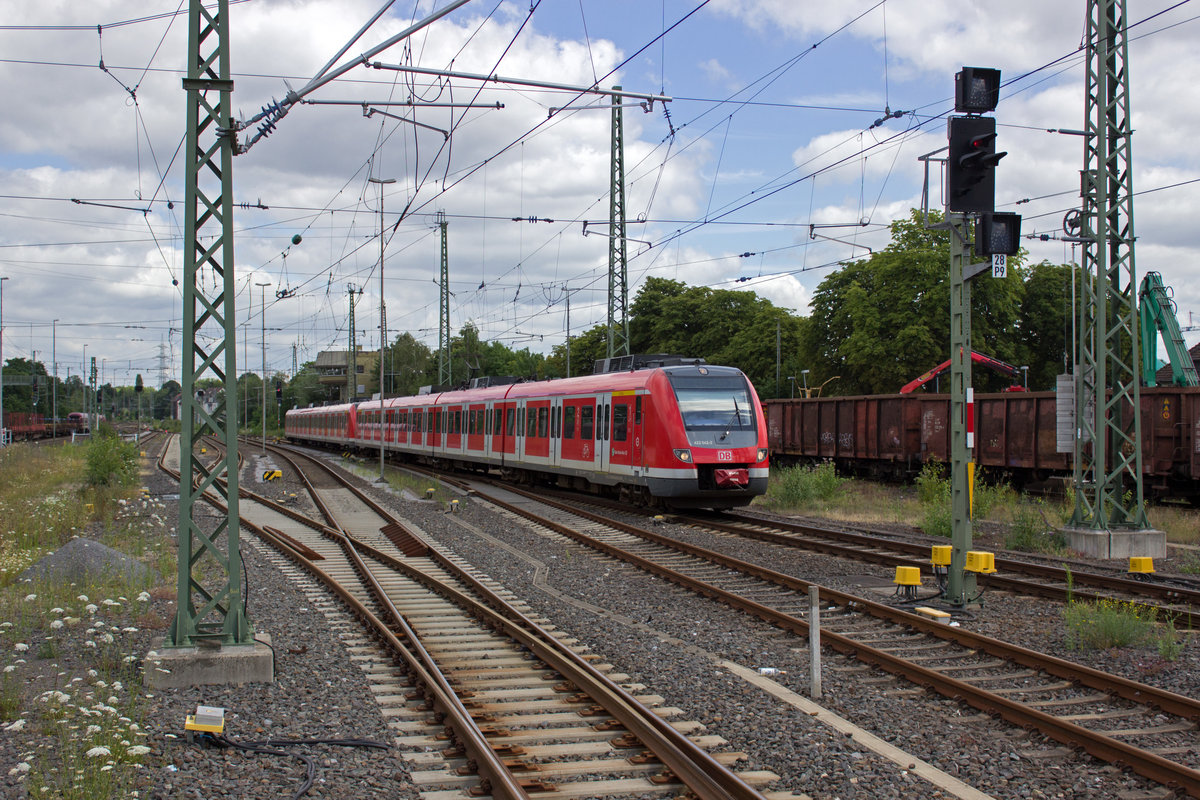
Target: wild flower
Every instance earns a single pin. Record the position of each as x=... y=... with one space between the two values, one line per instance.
x=56 y=624
x=20 y=769
x=10 y=668
x=16 y=725
x=91 y=608
x=56 y=610
x=20 y=647
x=83 y=598
x=139 y=750
x=29 y=598
x=98 y=752
x=144 y=597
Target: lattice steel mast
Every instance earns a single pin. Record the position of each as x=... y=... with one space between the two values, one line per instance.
x=618 y=286
x=210 y=597
x=445 y=370
x=1108 y=474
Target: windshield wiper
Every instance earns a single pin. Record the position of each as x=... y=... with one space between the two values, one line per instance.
x=737 y=415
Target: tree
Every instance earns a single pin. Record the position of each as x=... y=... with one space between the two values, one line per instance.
x=1046 y=322
x=879 y=322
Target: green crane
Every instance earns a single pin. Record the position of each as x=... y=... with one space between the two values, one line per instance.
x=1156 y=311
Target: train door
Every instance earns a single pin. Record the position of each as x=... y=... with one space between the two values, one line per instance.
x=635 y=442
x=555 y=430
x=623 y=435
x=603 y=422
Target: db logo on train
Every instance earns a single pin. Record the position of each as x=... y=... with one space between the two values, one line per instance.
x=724 y=455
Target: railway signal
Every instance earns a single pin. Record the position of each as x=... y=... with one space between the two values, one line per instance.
x=971 y=167
x=997 y=233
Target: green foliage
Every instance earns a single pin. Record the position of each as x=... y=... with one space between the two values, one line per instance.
x=933 y=493
x=803 y=487
x=1109 y=623
x=1169 y=646
x=1028 y=532
x=1190 y=564
x=932 y=483
x=111 y=461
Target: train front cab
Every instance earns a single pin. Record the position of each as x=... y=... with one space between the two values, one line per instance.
x=713 y=436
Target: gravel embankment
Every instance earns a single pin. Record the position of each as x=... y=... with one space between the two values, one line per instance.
x=661 y=636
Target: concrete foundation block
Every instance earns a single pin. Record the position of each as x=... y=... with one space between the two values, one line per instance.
x=179 y=667
x=1117 y=544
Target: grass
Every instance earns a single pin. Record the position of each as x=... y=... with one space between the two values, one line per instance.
x=400 y=479
x=1111 y=623
x=804 y=488
x=70 y=697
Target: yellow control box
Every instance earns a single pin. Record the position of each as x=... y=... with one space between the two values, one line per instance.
x=980 y=561
x=1141 y=564
x=941 y=555
x=908 y=576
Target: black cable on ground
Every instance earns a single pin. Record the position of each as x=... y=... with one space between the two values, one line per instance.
x=265 y=747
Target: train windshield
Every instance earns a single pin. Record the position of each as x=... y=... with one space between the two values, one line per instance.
x=716 y=403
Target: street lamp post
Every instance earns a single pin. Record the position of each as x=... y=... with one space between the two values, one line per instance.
x=381 y=182
x=3 y=437
x=263 y=320
x=54 y=385
x=792 y=383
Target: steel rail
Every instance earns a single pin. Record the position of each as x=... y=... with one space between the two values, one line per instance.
x=704 y=776
x=1098 y=744
x=495 y=778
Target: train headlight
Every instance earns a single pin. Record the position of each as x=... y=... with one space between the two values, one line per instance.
x=762 y=454
x=683 y=454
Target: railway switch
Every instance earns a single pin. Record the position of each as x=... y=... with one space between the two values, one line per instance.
x=981 y=561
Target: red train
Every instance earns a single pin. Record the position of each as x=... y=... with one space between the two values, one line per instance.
x=687 y=435
x=892 y=436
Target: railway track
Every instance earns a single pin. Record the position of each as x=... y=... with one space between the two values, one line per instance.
x=1174 y=601
x=1122 y=722
x=527 y=713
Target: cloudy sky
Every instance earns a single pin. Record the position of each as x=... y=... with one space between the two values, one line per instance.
x=784 y=114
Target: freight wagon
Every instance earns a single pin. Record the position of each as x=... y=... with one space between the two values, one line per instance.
x=893 y=436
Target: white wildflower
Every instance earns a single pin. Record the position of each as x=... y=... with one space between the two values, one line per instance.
x=129 y=630
x=10 y=668
x=29 y=598
x=139 y=750
x=108 y=638
x=98 y=752
x=113 y=699
x=83 y=598
x=15 y=726
x=144 y=597
x=20 y=647
x=56 y=610
x=109 y=603
x=56 y=624
x=89 y=643
x=93 y=729
x=93 y=674
x=20 y=769
x=91 y=608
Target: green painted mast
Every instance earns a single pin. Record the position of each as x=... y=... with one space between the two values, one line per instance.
x=211 y=604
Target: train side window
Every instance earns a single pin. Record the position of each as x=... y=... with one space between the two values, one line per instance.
x=586 y=414
x=509 y=416
x=471 y=420
x=531 y=422
x=520 y=424
x=569 y=422
x=543 y=417
x=607 y=420
x=458 y=421
x=487 y=421
x=620 y=422
x=637 y=411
